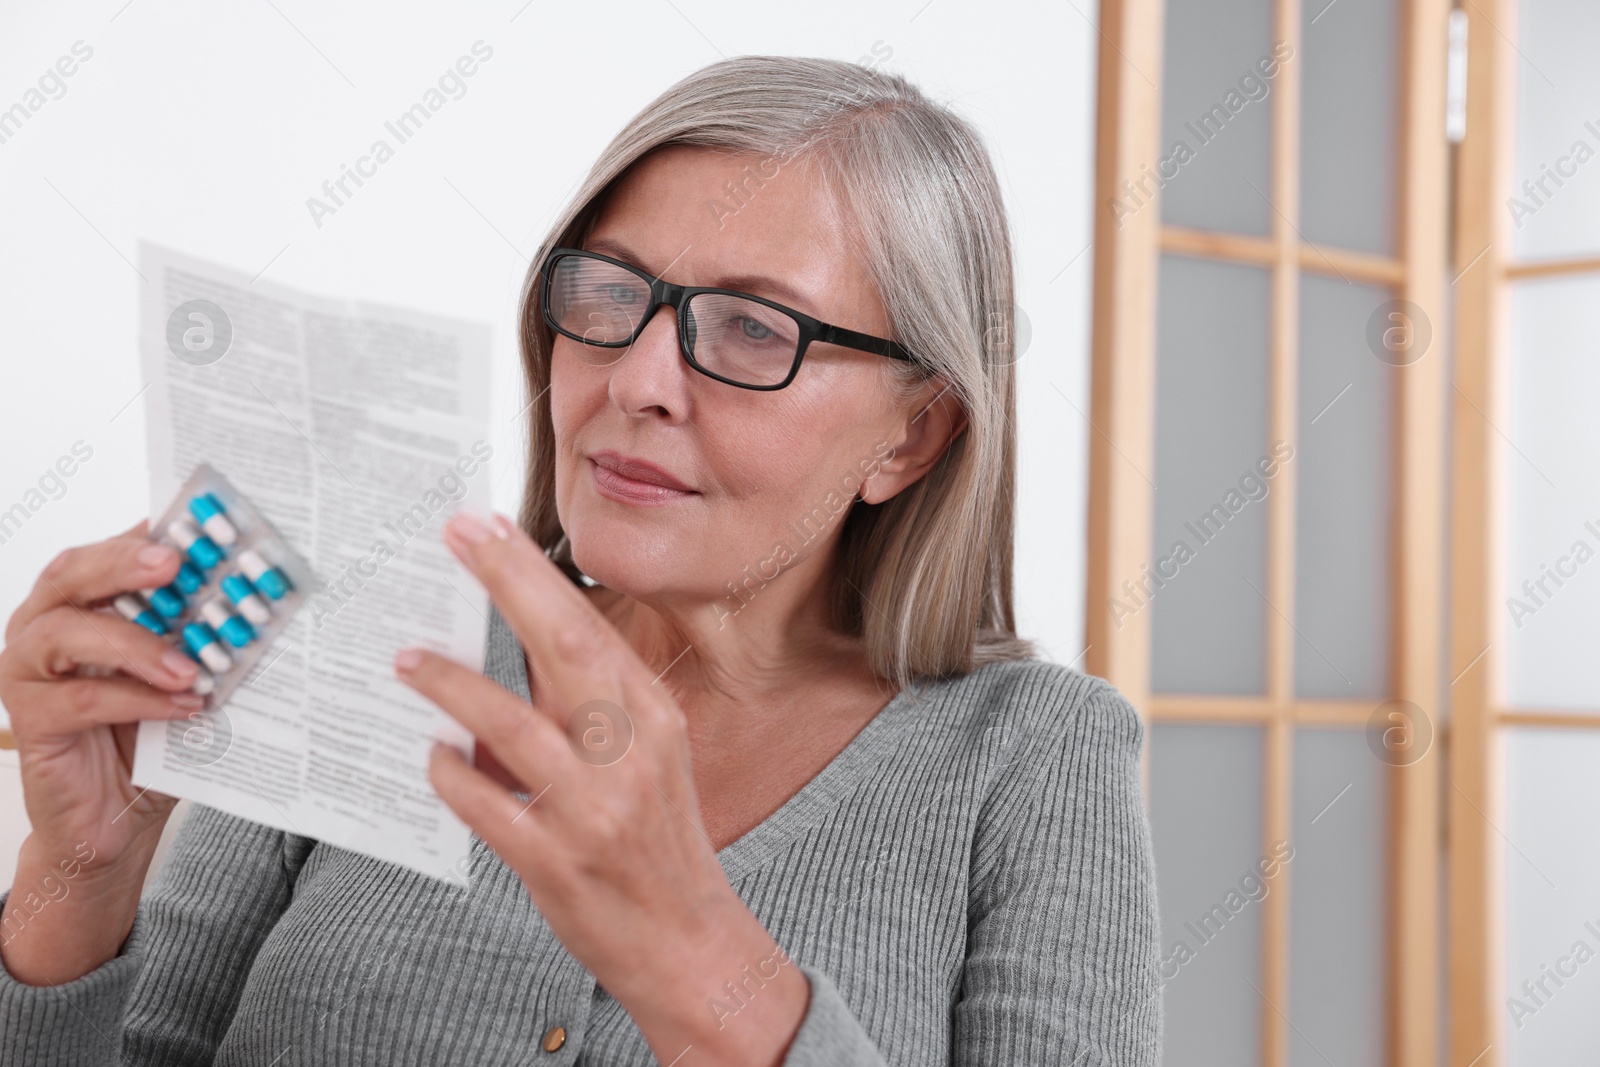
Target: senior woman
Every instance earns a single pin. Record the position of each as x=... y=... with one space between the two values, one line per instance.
x=765 y=774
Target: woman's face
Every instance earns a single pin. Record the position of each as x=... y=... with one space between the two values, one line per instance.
x=765 y=471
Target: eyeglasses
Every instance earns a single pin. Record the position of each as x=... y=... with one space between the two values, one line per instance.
x=734 y=337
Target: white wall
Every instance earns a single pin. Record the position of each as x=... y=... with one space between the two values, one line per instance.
x=207 y=129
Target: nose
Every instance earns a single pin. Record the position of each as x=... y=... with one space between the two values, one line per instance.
x=652 y=377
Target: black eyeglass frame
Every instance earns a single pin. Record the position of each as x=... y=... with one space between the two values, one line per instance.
x=677 y=296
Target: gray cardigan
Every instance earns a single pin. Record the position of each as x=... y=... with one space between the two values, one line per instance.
x=969 y=882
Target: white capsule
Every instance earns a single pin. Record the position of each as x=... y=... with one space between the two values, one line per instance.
x=207 y=511
x=255 y=610
x=203 y=683
x=201 y=550
x=213 y=656
x=238 y=589
x=220 y=529
x=264 y=576
x=133 y=609
x=230 y=627
x=201 y=641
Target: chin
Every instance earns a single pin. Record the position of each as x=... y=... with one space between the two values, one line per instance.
x=620 y=556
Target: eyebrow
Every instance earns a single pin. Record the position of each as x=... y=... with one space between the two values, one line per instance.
x=759 y=284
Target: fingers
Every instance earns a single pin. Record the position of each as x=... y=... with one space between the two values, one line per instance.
x=485 y=761
x=66 y=638
x=76 y=704
x=572 y=646
x=527 y=744
x=496 y=816
x=89 y=573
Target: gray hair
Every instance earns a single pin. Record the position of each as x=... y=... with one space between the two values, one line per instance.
x=924 y=577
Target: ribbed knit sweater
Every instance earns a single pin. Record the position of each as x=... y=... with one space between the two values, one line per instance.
x=968 y=882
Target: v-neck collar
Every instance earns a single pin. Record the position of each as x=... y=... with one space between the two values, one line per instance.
x=854 y=764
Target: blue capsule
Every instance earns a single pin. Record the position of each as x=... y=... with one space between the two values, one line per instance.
x=265 y=577
x=208 y=512
x=201 y=642
x=200 y=548
x=130 y=608
x=233 y=629
x=237 y=588
x=188 y=579
x=167 y=601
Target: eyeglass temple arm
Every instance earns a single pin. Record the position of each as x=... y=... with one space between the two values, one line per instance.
x=838 y=335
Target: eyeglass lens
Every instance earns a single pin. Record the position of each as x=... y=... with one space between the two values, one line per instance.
x=738 y=339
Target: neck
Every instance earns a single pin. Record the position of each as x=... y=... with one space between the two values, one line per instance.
x=770 y=695
x=718 y=662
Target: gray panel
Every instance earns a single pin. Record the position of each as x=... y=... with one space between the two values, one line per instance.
x=1205 y=815
x=1343 y=459
x=1552 y=570
x=1555 y=207
x=1337 y=967
x=1552 y=916
x=1206 y=599
x=1349 y=117
x=1218 y=77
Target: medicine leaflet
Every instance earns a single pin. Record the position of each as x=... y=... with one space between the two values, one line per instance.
x=356 y=429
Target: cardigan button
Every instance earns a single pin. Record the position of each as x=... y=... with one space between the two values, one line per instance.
x=554 y=1038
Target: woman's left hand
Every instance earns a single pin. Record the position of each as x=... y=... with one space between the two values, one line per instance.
x=610 y=844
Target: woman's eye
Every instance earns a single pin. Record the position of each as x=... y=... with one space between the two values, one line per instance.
x=754 y=330
x=621 y=294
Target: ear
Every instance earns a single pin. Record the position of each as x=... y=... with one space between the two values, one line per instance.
x=929 y=424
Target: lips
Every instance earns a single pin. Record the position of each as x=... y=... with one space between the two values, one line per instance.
x=635 y=481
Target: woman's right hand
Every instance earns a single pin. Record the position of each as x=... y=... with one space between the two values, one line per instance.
x=75 y=732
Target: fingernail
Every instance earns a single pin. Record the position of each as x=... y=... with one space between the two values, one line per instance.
x=502 y=527
x=176 y=663
x=188 y=702
x=153 y=556
x=407 y=659
x=470 y=526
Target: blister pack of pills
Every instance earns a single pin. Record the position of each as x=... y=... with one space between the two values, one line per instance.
x=238 y=586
